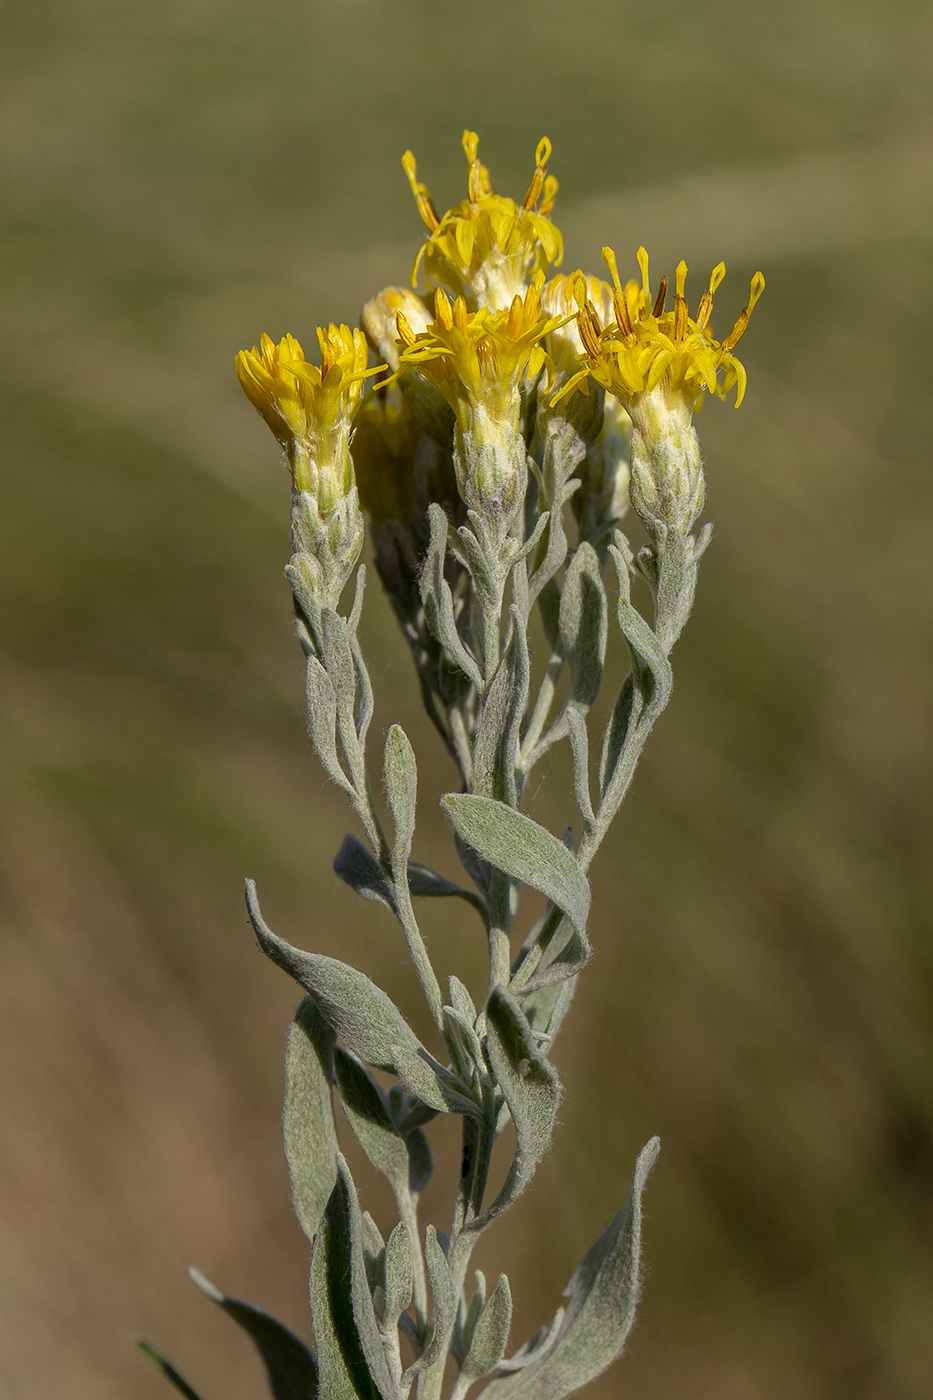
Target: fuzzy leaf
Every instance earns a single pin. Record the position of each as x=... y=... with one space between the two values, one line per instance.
x=491 y=1334
x=582 y=625
x=519 y=846
x=322 y=720
x=399 y=1278
x=401 y=780
x=603 y=1293
x=368 y=1116
x=308 y=1115
x=531 y=1090
x=290 y=1365
x=342 y=1365
x=445 y=1305
x=363 y=1017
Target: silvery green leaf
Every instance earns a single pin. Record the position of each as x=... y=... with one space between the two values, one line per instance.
x=374 y=1252
x=398 y=1275
x=460 y=1000
x=531 y=1090
x=322 y=721
x=582 y=625
x=603 y=1293
x=473 y=1314
x=547 y=1005
x=337 y=658
x=364 y=1314
x=495 y=750
x=368 y=1116
x=168 y=1370
x=523 y=849
x=580 y=749
x=438 y=601
x=290 y=1365
x=359 y=868
x=365 y=700
x=490 y=1335
x=647 y=652
x=468 y=1036
x=445 y=1305
x=363 y=1017
x=401 y=781
x=342 y=1364
x=308 y=1116
x=470 y=549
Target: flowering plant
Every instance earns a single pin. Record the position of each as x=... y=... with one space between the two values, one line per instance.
x=513 y=422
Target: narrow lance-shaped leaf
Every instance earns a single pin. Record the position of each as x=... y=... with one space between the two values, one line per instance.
x=401 y=780
x=490 y=1335
x=582 y=625
x=531 y=1089
x=363 y=1017
x=344 y=1373
x=290 y=1365
x=519 y=846
x=308 y=1115
x=599 y=1316
x=370 y=1120
x=445 y=1305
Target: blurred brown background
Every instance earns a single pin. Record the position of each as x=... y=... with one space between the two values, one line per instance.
x=176 y=178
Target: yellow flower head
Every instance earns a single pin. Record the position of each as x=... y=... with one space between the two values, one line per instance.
x=648 y=346
x=310 y=409
x=486 y=248
x=481 y=359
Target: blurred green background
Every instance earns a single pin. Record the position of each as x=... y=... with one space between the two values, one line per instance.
x=176 y=178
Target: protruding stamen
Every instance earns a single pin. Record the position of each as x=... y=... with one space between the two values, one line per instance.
x=405 y=332
x=738 y=330
x=475 y=182
x=442 y=309
x=423 y=200
x=661 y=298
x=542 y=156
x=623 y=319
x=470 y=143
x=757 y=287
x=590 y=330
x=533 y=298
x=610 y=260
x=549 y=195
x=459 y=317
x=643 y=266
x=516 y=319
x=680 y=303
x=704 y=310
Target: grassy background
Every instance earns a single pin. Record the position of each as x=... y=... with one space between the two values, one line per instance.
x=178 y=177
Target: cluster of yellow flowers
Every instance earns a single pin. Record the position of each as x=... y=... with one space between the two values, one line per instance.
x=499 y=330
